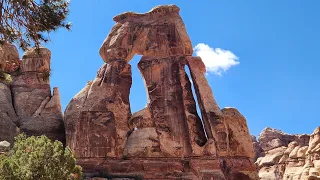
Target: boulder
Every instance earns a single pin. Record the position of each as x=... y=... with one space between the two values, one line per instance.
x=4 y=146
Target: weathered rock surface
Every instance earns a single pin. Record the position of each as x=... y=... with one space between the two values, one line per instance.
x=288 y=157
x=97 y=118
x=26 y=103
x=9 y=58
x=239 y=138
x=166 y=104
x=159 y=33
x=8 y=117
x=272 y=138
x=167 y=139
x=39 y=112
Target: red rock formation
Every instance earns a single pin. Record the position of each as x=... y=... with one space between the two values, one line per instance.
x=38 y=110
x=167 y=93
x=26 y=103
x=9 y=58
x=8 y=117
x=212 y=117
x=158 y=33
x=289 y=157
x=166 y=139
x=97 y=118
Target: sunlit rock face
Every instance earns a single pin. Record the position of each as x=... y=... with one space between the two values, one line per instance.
x=288 y=157
x=167 y=139
x=38 y=109
x=159 y=33
x=9 y=57
x=27 y=104
x=97 y=117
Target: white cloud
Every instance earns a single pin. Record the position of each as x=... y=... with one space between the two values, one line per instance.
x=216 y=60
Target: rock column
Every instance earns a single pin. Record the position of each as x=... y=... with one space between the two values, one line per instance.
x=97 y=118
x=38 y=110
x=212 y=116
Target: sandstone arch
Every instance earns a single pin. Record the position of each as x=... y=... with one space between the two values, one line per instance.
x=170 y=135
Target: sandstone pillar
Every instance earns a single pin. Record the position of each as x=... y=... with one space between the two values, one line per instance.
x=97 y=118
x=211 y=114
x=165 y=97
x=38 y=110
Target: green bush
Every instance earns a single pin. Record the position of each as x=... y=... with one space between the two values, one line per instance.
x=38 y=158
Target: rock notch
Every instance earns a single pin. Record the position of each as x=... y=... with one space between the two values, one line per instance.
x=167 y=139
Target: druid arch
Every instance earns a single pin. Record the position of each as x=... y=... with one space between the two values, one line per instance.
x=167 y=136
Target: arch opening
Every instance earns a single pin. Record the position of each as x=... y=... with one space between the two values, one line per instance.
x=138 y=100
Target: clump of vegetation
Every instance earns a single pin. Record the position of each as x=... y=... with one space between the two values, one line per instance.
x=29 y=22
x=46 y=75
x=5 y=77
x=39 y=158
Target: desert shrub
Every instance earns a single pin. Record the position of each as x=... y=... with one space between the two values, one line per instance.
x=38 y=158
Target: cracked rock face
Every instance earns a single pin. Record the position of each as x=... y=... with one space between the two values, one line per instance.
x=287 y=156
x=167 y=139
x=159 y=32
x=97 y=117
x=8 y=117
x=26 y=103
x=9 y=58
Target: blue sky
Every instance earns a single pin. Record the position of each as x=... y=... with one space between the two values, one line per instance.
x=275 y=82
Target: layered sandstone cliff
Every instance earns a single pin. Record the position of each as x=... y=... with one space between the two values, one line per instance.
x=26 y=102
x=288 y=157
x=167 y=139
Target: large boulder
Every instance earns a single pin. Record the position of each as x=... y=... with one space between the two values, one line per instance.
x=4 y=146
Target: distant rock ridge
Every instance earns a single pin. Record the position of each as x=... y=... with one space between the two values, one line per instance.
x=284 y=156
x=166 y=139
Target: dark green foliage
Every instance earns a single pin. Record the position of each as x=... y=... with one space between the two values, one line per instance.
x=38 y=158
x=29 y=22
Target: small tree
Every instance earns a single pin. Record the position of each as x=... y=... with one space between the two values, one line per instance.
x=38 y=158
x=29 y=22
